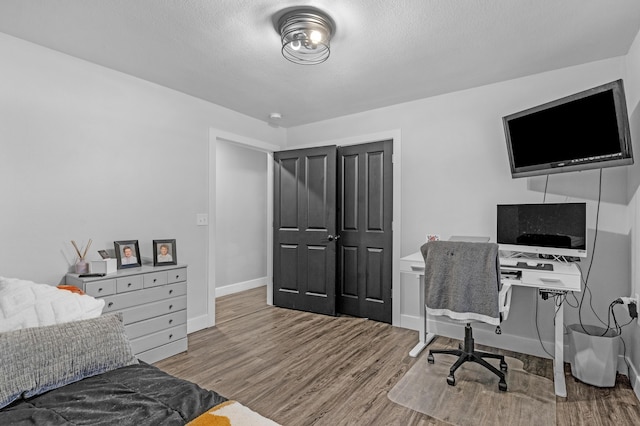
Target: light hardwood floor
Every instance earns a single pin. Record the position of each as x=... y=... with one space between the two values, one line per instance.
x=299 y=368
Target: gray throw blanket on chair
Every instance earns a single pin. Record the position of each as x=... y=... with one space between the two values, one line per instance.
x=462 y=280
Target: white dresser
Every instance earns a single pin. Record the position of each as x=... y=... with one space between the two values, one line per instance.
x=153 y=302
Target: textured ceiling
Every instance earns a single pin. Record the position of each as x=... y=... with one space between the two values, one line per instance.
x=384 y=51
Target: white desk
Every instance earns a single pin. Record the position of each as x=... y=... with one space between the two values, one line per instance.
x=564 y=277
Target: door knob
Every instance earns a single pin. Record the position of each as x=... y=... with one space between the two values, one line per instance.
x=333 y=237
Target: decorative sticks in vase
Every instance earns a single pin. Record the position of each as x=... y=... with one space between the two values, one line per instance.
x=81 y=264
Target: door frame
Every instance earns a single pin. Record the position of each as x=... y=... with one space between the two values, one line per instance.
x=216 y=134
x=395 y=135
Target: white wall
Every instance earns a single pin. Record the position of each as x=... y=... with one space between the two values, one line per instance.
x=87 y=152
x=241 y=215
x=455 y=170
x=632 y=88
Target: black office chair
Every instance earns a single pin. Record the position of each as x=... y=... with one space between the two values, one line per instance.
x=462 y=281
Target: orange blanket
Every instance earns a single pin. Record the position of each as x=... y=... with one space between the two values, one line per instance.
x=231 y=413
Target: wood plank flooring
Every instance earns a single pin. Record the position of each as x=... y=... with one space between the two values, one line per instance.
x=299 y=368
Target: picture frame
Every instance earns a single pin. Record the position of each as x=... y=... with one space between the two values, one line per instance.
x=127 y=254
x=164 y=252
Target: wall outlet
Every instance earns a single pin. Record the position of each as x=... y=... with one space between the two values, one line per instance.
x=202 y=219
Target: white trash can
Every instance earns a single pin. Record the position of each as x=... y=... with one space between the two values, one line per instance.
x=595 y=354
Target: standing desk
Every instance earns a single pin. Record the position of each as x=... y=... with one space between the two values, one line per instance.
x=563 y=278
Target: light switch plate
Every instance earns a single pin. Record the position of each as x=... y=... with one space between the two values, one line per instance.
x=202 y=219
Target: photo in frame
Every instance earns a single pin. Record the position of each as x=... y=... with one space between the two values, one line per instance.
x=164 y=252
x=127 y=254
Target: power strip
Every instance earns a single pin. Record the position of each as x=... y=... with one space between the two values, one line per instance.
x=546 y=292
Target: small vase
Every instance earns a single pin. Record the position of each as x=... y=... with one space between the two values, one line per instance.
x=81 y=267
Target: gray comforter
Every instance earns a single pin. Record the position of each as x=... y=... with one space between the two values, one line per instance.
x=134 y=395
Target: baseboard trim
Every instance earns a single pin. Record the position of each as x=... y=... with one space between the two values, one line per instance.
x=484 y=334
x=634 y=377
x=241 y=286
x=411 y=322
x=197 y=323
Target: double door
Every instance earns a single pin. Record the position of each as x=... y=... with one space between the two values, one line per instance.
x=332 y=230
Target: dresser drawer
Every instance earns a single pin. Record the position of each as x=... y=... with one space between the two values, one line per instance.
x=134 y=282
x=126 y=300
x=142 y=328
x=159 y=338
x=155 y=309
x=164 y=351
x=155 y=279
x=100 y=288
x=177 y=275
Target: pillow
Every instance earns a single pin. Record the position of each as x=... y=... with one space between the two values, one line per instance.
x=36 y=360
x=27 y=304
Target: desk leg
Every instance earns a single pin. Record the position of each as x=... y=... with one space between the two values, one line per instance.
x=424 y=338
x=558 y=362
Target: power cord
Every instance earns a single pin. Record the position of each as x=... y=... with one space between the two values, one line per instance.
x=559 y=300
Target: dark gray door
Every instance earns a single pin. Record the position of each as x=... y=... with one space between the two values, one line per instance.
x=304 y=255
x=365 y=210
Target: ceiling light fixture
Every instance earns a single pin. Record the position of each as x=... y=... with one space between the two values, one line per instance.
x=306 y=35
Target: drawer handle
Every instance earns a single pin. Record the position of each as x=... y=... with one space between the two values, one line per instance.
x=129 y=285
x=170 y=306
x=155 y=279
x=100 y=290
x=170 y=291
x=110 y=304
x=170 y=321
x=177 y=276
x=170 y=336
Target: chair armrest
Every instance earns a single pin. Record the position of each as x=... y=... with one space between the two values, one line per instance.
x=504 y=298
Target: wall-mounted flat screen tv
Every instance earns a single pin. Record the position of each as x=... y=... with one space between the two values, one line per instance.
x=558 y=229
x=587 y=130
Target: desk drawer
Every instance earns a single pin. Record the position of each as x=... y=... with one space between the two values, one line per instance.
x=551 y=280
x=100 y=288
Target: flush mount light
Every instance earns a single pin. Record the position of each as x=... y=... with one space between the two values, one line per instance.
x=306 y=36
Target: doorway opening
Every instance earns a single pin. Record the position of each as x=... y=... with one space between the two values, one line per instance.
x=241 y=203
x=238 y=258
x=216 y=135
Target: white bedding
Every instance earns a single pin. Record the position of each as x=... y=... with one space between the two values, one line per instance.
x=26 y=304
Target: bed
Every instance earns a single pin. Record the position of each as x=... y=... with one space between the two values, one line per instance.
x=82 y=371
x=133 y=395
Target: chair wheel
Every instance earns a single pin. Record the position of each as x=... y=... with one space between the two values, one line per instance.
x=503 y=366
x=452 y=380
x=430 y=359
x=502 y=386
